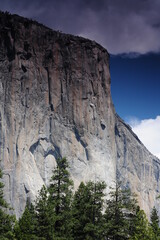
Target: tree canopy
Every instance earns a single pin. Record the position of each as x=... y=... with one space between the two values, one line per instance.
x=6 y=220
x=59 y=213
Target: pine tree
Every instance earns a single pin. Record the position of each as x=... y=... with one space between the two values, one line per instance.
x=155 y=223
x=6 y=221
x=60 y=198
x=142 y=229
x=44 y=216
x=120 y=210
x=25 y=227
x=80 y=211
x=87 y=211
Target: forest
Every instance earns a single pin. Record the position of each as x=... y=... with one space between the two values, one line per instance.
x=60 y=213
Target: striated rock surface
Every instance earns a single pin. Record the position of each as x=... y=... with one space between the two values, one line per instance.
x=55 y=101
x=137 y=167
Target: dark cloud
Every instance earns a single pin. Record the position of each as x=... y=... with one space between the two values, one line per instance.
x=122 y=26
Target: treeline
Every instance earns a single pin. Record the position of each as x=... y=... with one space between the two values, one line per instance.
x=60 y=214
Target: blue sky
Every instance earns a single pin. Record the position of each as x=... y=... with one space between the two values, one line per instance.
x=135 y=88
x=130 y=31
x=135 y=85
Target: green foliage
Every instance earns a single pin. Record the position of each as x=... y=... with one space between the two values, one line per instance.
x=119 y=213
x=154 y=216
x=142 y=230
x=25 y=227
x=2 y=201
x=58 y=215
x=155 y=223
x=60 y=199
x=44 y=215
x=87 y=211
x=6 y=221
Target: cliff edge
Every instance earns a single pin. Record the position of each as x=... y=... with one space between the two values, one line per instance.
x=55 y=101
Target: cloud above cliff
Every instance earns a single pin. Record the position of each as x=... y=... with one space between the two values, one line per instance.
x=148 y=131
x=122 y=26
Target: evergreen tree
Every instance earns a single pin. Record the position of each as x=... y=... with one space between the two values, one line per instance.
x=155 y=223
x=142 y=230
x=120 y=210
x=44 y=216
x=25 y=227
x=87 y=211
x=6 y=221
x=80 y=211
x=60 y=198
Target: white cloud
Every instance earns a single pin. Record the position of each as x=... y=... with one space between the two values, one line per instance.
x=148 y=131
x=132 y=121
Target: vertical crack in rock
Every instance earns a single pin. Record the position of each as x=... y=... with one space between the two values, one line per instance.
x=26 y=99
x=62 y=95
x=49 y=89
x=9 y=46
x=93 y=88
x=117 y=131
x=24 y=68
x=17 y=150
x=50 y=128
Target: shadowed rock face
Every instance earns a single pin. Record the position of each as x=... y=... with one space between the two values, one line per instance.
x=55 y=101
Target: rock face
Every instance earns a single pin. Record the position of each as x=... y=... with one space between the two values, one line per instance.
x=137 y=167
x=55 y=101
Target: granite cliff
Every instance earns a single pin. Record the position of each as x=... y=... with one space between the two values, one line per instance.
x=55 y=101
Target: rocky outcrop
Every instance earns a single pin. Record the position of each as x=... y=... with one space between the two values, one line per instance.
x=137 y=168
x=55 y=101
